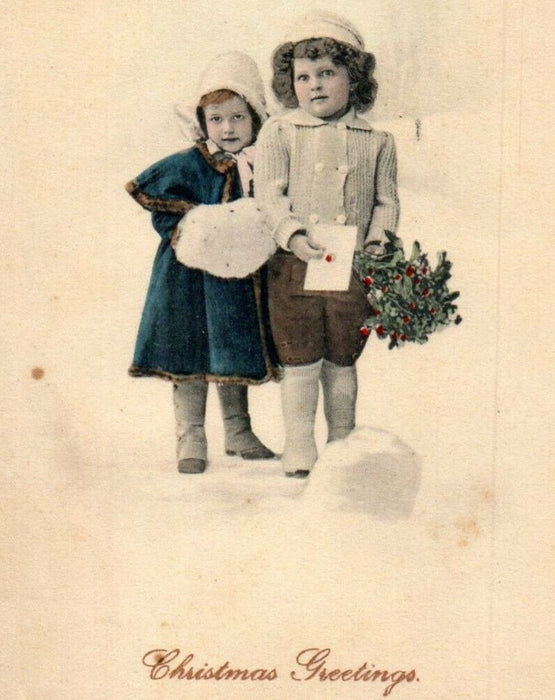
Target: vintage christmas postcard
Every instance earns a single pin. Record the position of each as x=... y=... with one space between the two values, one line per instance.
x=225 y=476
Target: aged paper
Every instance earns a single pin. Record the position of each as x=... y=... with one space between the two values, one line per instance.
x=432 y=561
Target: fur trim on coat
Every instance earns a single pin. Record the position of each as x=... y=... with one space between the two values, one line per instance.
x=228 y=240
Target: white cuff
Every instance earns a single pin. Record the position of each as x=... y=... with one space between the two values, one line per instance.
x=285 y=229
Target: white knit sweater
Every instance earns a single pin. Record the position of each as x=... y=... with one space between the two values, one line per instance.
x=310 y=171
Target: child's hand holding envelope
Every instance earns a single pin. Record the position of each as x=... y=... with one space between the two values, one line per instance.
x=331 y=272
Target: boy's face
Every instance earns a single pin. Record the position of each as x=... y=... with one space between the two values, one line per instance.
x=229 y=124
x=321 y=87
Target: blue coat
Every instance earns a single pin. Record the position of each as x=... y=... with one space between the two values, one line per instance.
x=195 y=325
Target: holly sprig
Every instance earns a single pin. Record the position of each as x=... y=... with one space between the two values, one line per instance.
x=409 y=299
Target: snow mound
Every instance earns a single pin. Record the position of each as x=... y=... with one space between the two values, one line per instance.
x=370 y=471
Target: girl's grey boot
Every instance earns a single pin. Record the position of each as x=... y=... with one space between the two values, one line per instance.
x=299 y=399
x=189 y=400
x=239 y=438
x=339 y=386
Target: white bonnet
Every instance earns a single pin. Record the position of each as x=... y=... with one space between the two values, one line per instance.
x=237 y=72
x=233 y=71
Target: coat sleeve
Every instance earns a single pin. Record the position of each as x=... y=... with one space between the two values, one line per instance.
x=164 y=190
x=271 y=180
x=385 y=213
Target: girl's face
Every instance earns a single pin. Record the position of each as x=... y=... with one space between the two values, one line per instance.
x=229 y=124
x=321 y=87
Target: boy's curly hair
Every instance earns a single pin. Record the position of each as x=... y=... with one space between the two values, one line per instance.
x=359 y=64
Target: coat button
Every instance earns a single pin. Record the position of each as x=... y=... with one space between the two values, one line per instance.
x=341 y=219
x=319 y=167
x=313 y=218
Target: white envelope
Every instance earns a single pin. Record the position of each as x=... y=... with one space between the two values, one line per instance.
x=332 y=272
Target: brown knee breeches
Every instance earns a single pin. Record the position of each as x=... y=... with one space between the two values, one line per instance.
x=308 y=326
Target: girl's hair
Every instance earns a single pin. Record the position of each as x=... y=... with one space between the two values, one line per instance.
x=359 y=64
x=216 y=98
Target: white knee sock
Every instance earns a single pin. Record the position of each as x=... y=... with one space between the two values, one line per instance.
x=299 y=396
x=339 y=385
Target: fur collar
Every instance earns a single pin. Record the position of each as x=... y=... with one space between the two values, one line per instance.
x=221 y=165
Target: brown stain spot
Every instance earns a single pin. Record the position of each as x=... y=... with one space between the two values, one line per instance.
x=469 y=526
x=37 y=373
x=433 y=531
x=467 y=530
x=80 y=533
x=164 y=624
x=487 y=496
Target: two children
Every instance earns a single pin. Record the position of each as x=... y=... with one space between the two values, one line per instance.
x=197 y=328
x=321 y=163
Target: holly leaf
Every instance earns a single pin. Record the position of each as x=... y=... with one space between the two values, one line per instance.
x=415 y=251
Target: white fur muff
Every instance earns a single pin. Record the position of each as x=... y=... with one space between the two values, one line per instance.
x=228 y=240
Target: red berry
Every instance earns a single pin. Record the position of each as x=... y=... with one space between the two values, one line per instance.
x=424 y=270
x=376 y=312
x=406 y=319
x=410 y=271
x=403 y=337
x=329 y=258
x=364 y=331
x=368 y=281
x=412 y=306
x=394 y=336
x=379 y=330
x=432 y=311
x=397 y=277
x=425 y=292
x=384 y=288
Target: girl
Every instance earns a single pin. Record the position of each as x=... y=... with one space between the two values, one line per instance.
x=320 y=162
x=197 y=328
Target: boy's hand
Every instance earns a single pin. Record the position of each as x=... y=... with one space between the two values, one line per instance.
x=303 y=247
x=374 y=248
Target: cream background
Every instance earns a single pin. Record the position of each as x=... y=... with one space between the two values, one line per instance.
x=108 y=551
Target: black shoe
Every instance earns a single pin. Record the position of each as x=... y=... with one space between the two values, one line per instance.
x=190 y=465
x=259 y=452
x=299 y=474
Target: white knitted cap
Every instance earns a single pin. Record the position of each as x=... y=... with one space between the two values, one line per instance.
x=237 y=72
x=319 y=25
